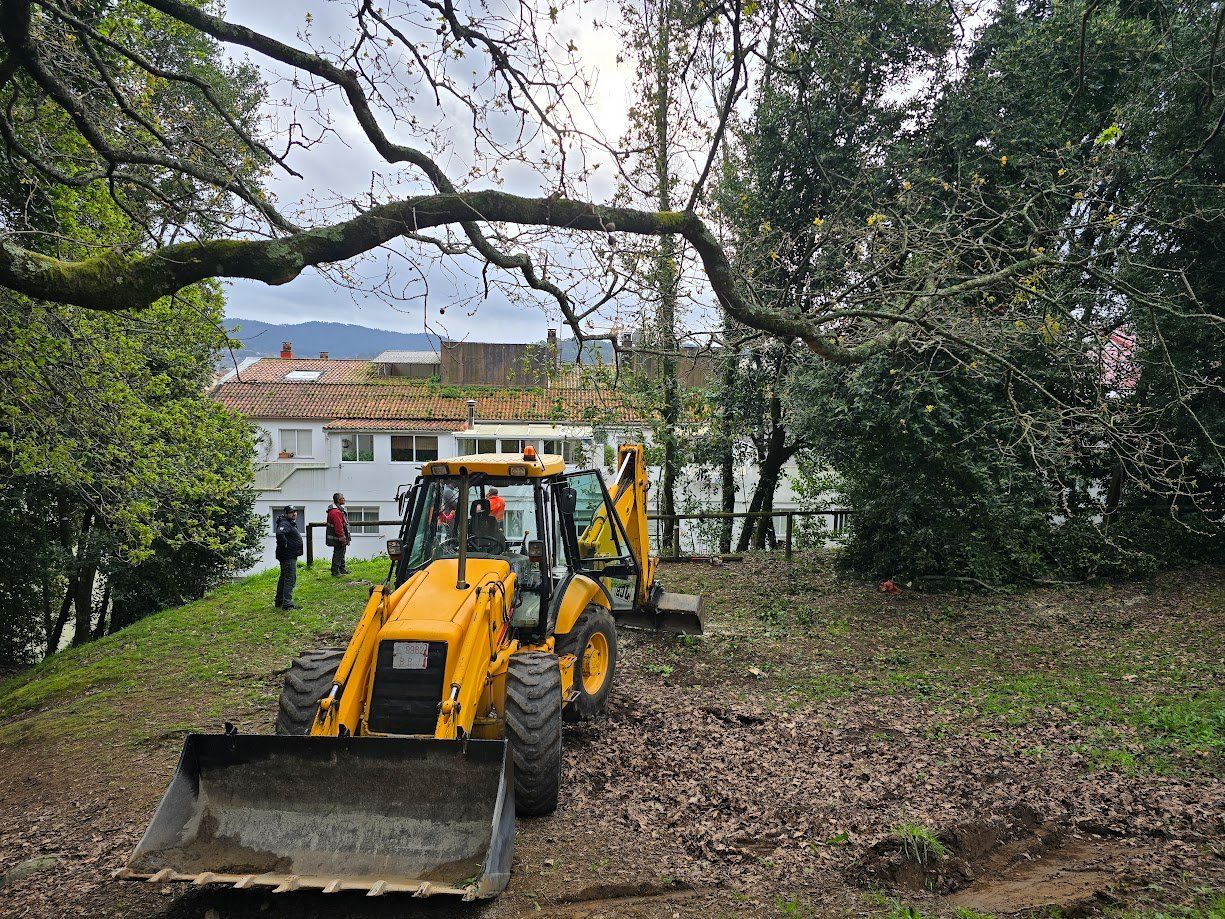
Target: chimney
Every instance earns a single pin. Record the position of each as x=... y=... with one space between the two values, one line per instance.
x=323 y=355
x=627 y=340
x=287 y=350
x=554 y=351
x=471 y=414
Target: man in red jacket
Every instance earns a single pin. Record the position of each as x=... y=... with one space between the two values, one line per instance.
x=338 y=534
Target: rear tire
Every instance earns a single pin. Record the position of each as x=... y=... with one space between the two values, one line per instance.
x=308 y=679
x=593 y=642
x=533 y=730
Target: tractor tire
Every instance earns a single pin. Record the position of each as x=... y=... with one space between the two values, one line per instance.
x=533 y=730
x=593 y=642
x=308 y=679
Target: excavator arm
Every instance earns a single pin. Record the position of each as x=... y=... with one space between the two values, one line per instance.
x=629 y=501
x=654 y=608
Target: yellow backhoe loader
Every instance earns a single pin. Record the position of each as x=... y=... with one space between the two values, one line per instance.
x=400 y=761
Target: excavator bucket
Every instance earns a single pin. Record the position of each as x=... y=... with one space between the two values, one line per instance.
x=371 y=814
x=680 y=614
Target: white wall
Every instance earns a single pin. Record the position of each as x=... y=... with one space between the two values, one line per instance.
x=364 y=484
x=309 y=482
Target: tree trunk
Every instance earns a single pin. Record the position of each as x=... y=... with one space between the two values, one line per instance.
x=746 y=532
x=66 y=516
x=666 y=280
x=83 y=581
x=100 y=625
x=756 y=530
x=777 y=453
x=765 y=525
x=44 y=596
x=727 y=486
x=56 y=633
x=83 y=599
x=727 y=454
x=121 y=617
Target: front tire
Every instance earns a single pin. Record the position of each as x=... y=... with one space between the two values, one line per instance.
x=308 y=679
x=593 y=642
x=533 y=730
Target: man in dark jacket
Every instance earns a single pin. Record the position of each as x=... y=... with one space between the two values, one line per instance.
x=338 y=534
x=288 y=549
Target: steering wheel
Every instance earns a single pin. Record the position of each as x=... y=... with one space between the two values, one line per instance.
x=495 y=546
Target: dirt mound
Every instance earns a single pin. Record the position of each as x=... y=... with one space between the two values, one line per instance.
x=1006 y=864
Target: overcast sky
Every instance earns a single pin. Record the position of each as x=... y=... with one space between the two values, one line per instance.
x=343 y=164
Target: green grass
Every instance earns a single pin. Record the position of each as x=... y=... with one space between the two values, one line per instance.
x=185 y=668
x=919 y=844
x=1141 y=685
x=1211 y=908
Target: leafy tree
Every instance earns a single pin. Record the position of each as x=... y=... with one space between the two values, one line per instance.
x=945 y=191
x=1074 y=399
x=116 y=455
x=113 y=450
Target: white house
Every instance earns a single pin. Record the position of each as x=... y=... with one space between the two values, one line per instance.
x=364 y=428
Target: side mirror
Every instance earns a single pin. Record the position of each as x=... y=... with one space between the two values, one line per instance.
x=535 y=550
x=568 y=499
x=402 y=494
x=395 y=549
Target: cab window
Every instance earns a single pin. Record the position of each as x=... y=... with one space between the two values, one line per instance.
x=599 y=540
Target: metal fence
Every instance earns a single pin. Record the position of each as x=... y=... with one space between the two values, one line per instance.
x=702 y=538
x=814 y=527
x=311 y=527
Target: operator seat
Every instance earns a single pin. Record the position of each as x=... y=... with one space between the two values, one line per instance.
x=482 y=523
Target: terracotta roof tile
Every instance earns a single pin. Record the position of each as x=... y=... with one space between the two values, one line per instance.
x=273 y=369
x=392 y=424
x=400 y=399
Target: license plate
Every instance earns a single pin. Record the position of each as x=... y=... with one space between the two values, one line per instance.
x=410 y=655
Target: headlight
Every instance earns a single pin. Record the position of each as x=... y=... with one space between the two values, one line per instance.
x=440 y=469
x=518 y=471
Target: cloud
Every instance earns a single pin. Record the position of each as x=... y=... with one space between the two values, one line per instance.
x=343 y=169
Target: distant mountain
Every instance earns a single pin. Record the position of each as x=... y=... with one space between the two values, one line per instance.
x=339 y=339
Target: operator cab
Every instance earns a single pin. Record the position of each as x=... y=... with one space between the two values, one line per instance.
x=527 y=511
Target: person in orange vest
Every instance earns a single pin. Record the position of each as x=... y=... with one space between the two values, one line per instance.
x=497 y=506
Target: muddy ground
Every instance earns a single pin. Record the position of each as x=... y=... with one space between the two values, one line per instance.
x=827 y=750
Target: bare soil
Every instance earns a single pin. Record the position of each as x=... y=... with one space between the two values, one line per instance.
x=768 y=768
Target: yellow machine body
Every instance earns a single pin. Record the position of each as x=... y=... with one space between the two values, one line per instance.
x=405 y=780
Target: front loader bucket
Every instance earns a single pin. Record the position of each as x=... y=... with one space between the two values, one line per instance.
x=680 y=614
x=372 y=814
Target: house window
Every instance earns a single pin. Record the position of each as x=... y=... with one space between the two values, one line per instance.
x=301 y=522
x=303 y=376
x=468 y=445
x=570 y=450
x=361 y=520
x=414 y=448
x=298 y=442
x=357 y=448
x=512 y=446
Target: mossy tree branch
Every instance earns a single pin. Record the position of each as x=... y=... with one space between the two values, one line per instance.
x=117 y=281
